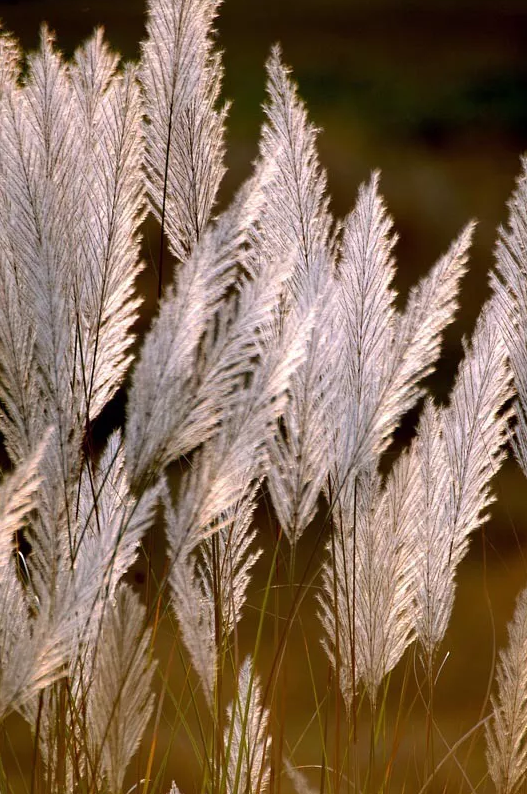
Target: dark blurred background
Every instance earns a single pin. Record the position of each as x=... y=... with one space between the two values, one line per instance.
x=435 y=95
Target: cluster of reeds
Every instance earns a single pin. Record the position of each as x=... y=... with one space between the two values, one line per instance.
x=277 y=363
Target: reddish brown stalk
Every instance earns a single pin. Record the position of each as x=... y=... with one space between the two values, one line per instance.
x=429 y=756
x=35 y=745
x=337 y=663
x=157 y=721
x=323 y=763
x=354 y=585
x=279 y=649
x=217 y=717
